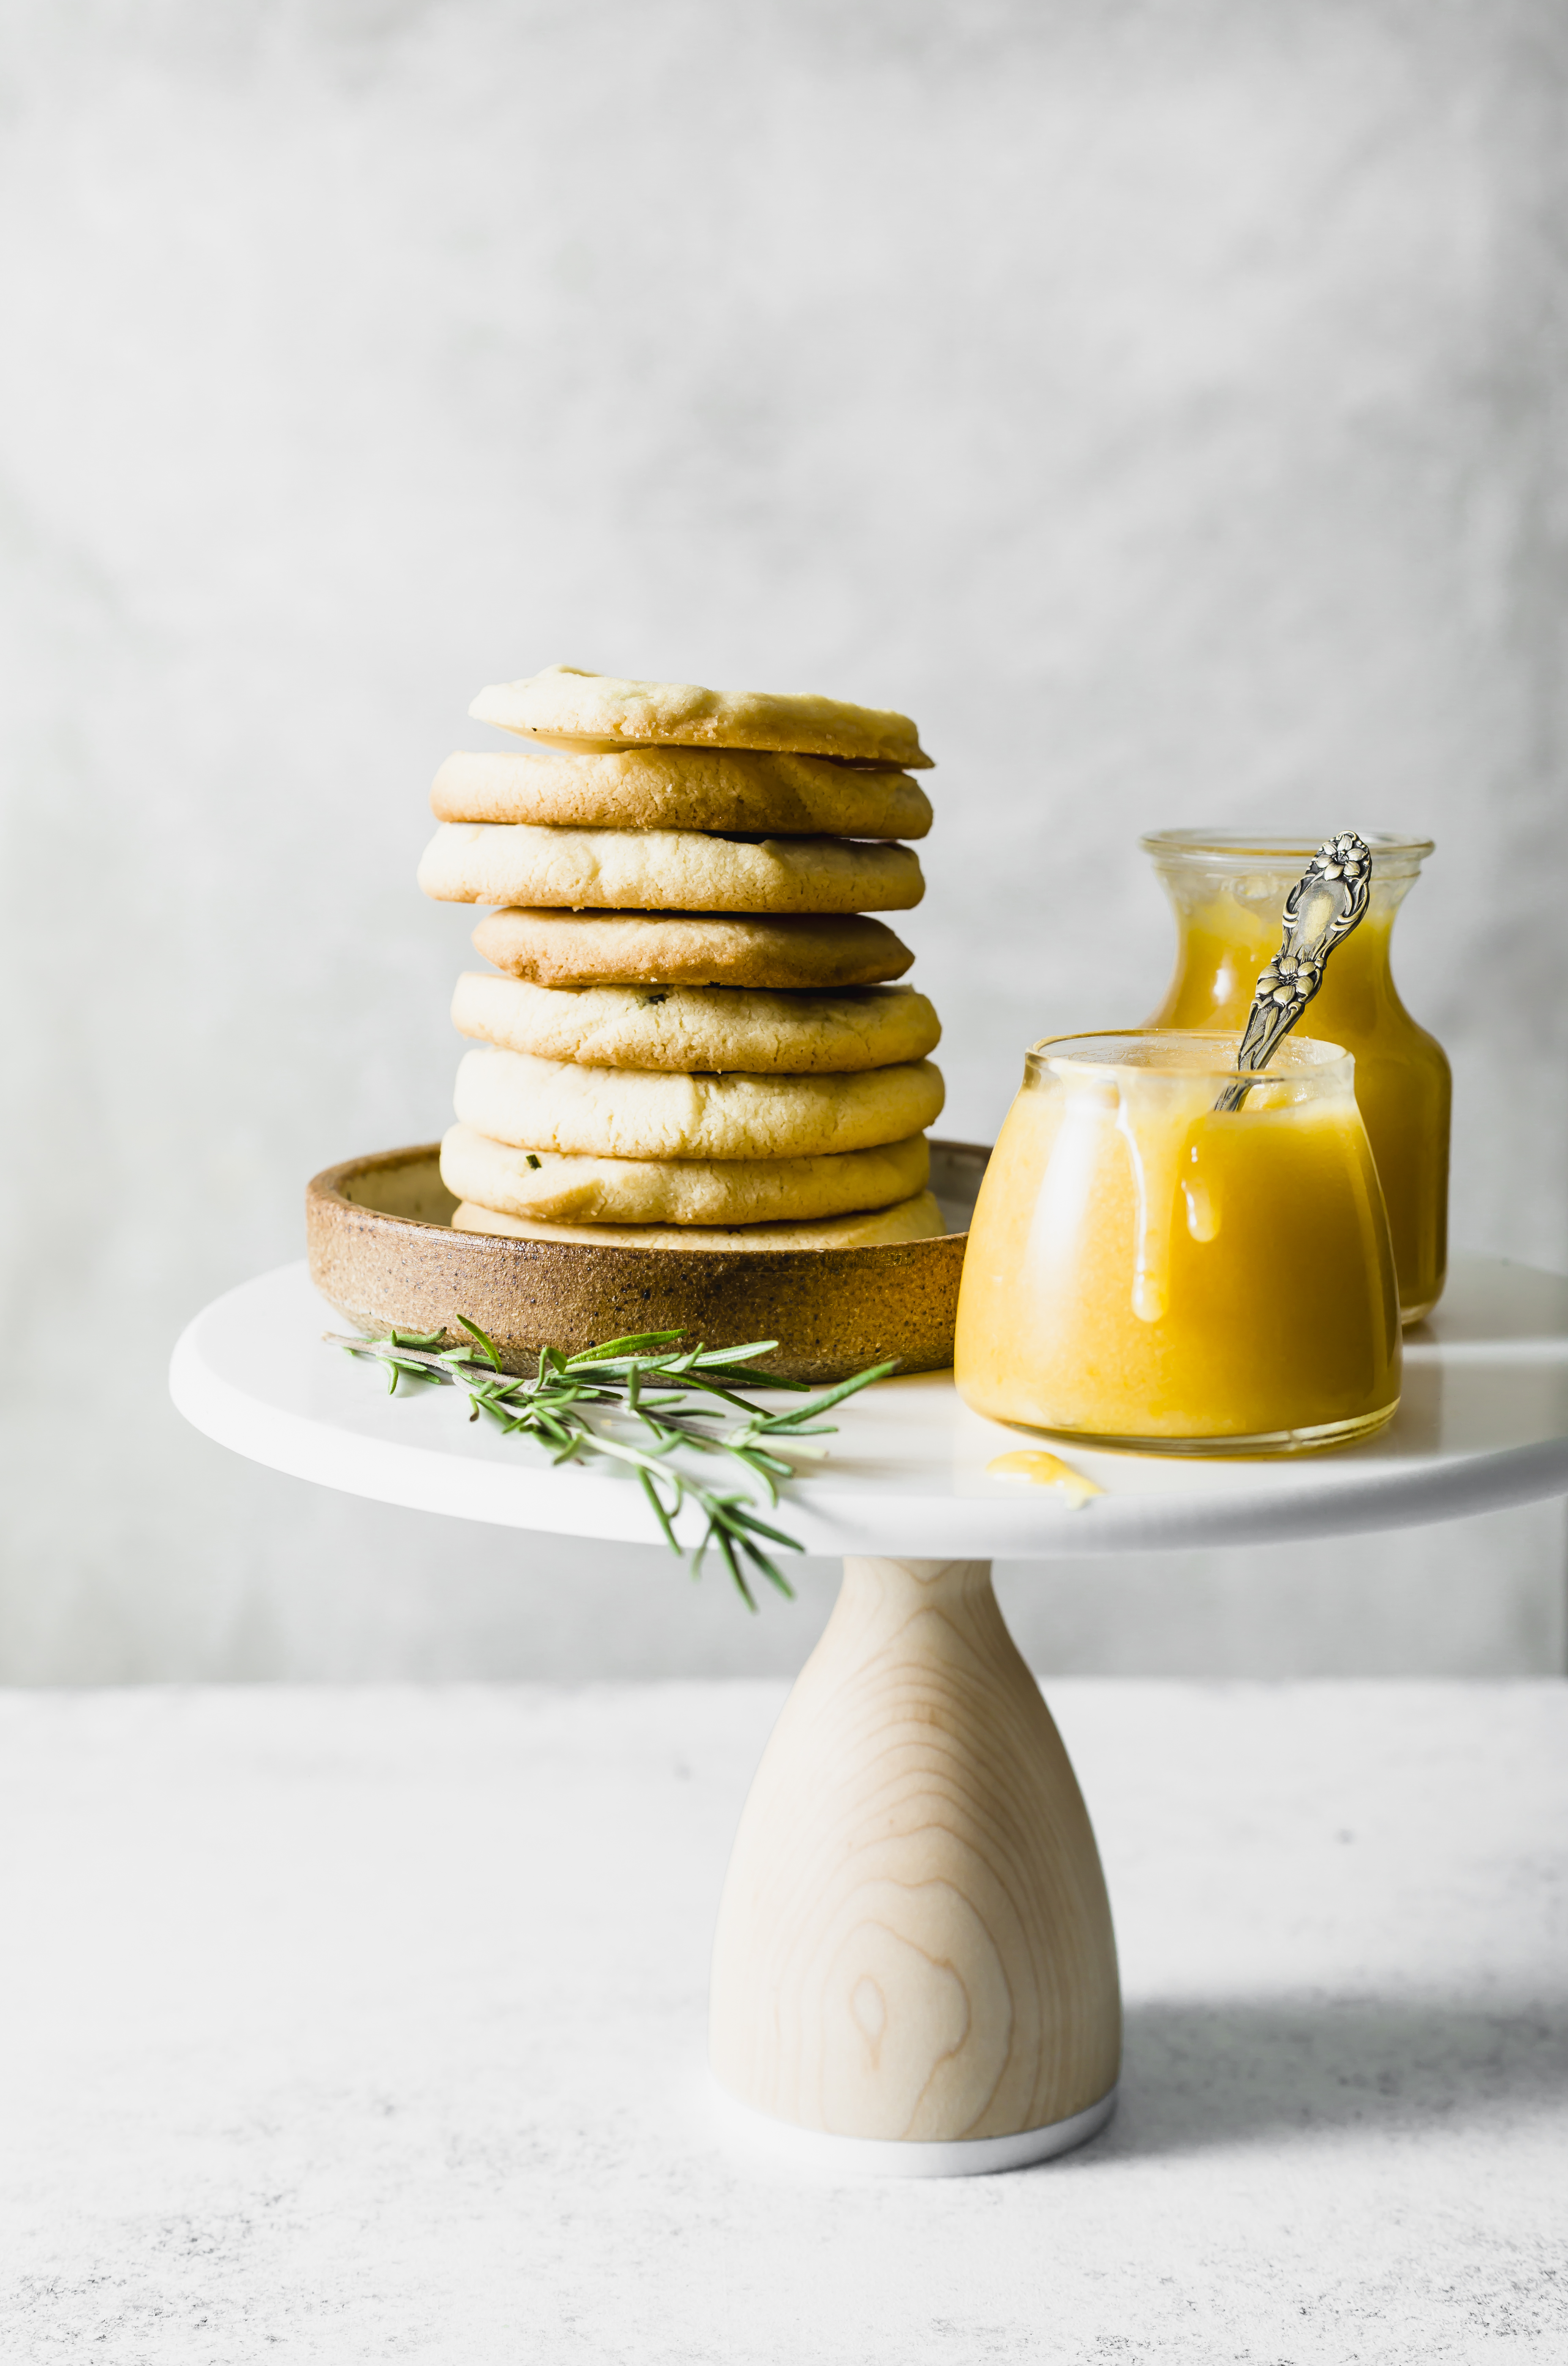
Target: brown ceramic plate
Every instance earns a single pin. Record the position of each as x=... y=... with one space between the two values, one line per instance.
x=383 y=1252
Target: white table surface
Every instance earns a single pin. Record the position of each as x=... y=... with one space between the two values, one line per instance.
x=1483 y=1421
x=346 y=2026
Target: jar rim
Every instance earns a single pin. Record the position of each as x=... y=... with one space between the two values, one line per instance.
x=1308 y=1063
x=1247 y=848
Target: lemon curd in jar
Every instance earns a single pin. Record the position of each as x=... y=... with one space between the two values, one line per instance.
x=1145 y=1270
x=1228 y=889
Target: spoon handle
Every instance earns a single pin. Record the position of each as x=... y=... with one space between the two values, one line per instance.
x=1328 y=900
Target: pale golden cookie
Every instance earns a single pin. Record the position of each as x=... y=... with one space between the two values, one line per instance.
x=919 y=1219
x=570 y=1190
x=665 y=871
x=594 y=711
x=635 y=1113
x=687 y=1029
x=554 y=948
x=682 y=788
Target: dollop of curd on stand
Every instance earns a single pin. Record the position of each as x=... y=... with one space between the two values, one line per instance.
x=1145 y=1270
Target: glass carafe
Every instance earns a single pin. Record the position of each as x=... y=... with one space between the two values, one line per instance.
x=1228 y=888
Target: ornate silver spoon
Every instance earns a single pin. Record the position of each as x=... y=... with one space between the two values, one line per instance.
x=1328 y=900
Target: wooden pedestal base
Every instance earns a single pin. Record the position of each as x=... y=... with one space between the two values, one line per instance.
x=914 y=1944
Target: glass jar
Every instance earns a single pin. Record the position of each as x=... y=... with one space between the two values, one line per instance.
x=1147 y=1271
x=1228 y=888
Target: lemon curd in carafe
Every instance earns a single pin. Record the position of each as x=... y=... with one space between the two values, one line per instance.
x=1228 y=889
x=1143 y=1269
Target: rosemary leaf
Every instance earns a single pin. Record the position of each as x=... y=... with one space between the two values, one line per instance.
x=753 y=1462
x=712 y=1357
x=721 y=1538
x=486 y=1342
x=830 y=1397
x=635 y=1344
x=659 y=1513
x=774 y=1575
x=746 y=1517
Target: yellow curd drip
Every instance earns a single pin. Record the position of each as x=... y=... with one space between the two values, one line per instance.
x=1045 y=1471
x=1141 y=1266
x=1402 y=1082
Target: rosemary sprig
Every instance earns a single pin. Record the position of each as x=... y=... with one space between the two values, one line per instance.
x=651 y=1378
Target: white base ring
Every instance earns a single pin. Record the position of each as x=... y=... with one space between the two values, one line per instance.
x=816 y=2153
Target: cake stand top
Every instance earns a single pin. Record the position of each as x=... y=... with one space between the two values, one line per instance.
x=1484 y=1423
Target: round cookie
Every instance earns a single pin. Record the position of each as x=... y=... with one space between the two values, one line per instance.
x=919 y=1219
x=783 y=951
x=665 y=871
x=682 y=788
x=677 y=1190
x=573 y=708
x=689 y=1029
x=633 y=1113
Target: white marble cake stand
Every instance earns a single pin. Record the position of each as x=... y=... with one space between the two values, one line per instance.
x=914 y=1970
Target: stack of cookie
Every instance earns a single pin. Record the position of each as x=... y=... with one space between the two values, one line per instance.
x=689 y=1037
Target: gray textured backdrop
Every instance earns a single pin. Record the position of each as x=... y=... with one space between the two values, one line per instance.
x=1163 y=403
